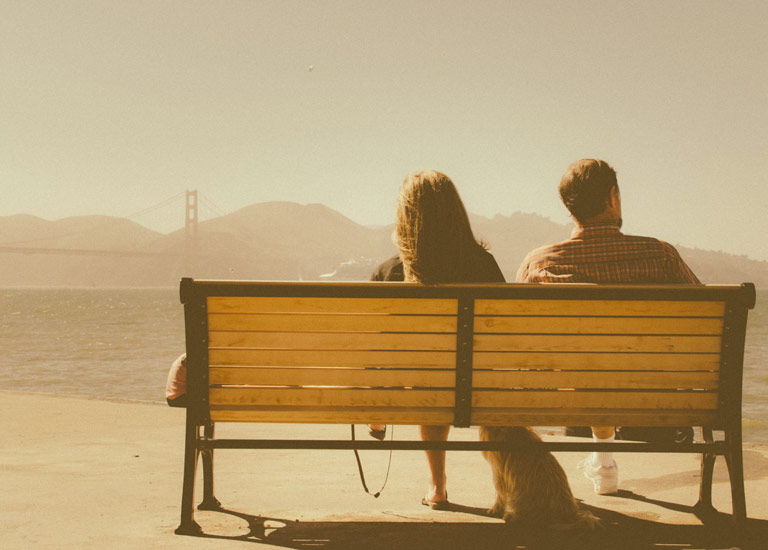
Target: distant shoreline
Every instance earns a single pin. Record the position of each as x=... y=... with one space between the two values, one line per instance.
x=271 y=241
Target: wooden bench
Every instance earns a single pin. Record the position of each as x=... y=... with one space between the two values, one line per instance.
x=465 y=355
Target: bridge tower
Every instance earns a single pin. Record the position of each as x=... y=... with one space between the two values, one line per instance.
x=190 y=233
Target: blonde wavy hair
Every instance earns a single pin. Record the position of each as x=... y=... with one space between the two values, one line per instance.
x=432 y=230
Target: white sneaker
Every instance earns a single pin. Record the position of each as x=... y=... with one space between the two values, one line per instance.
x=604 y=478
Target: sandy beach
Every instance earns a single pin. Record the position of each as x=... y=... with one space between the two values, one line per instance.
x=83 y=473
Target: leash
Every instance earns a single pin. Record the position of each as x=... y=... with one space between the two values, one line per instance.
x=360 y=465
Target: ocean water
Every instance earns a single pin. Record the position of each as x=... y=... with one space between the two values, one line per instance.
x=755 y=386
x=106 y=343
x=119 y=344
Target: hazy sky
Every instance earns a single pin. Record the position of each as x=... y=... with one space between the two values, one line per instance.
x=110 y=107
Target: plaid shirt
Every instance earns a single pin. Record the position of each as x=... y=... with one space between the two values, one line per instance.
x=600 y=253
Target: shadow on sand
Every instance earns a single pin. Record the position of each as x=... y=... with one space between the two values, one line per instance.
x=617 y=531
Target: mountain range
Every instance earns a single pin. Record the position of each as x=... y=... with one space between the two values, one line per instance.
x=269 y=241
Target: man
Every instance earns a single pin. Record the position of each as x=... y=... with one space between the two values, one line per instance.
x=598 y=252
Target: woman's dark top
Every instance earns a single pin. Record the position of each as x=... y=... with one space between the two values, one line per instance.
x=481 y=269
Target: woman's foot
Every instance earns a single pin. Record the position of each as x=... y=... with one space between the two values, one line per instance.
x=437 y=499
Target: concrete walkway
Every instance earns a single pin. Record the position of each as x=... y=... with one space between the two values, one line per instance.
x=79 y=473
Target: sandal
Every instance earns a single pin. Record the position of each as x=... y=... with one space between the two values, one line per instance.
x=377 y=433
x=437 y=504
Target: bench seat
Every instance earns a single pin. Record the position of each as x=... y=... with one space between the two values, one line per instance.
x=464 y=355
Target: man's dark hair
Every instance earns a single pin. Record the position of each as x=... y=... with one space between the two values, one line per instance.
x=585 y=188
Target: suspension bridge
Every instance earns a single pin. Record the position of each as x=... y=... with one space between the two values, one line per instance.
x=192 y=202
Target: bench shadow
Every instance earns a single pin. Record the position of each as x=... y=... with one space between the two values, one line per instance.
x=617 y=530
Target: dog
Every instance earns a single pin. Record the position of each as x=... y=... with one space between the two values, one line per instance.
x=531 y=486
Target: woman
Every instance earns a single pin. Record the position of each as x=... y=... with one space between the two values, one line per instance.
x=436 y=245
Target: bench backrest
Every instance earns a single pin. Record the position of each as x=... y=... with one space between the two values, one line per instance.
x=397 y=353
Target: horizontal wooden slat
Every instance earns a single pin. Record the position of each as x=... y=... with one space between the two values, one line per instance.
x=332 y=340
x=313 y=376
x=344 y=358
x=480 y=416
x=598 y=361
x=290 y=397
x=598 y=325
x=575 y=379
x=600 y=307
x=348 y=415
x=592 y=400
x=276 y=322
x=594 y=417
x=592 y=343
x=425 y=306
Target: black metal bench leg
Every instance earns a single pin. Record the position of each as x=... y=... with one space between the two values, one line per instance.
x=209 y=502
x=704 y=506
x=735 y=461
x=188 y=526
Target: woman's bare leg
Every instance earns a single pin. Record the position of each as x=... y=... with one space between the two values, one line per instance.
x=436 y=461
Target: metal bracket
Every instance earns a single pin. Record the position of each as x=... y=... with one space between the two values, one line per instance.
x=464 y=347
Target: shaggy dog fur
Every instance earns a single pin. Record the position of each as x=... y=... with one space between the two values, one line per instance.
x=531 y=486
